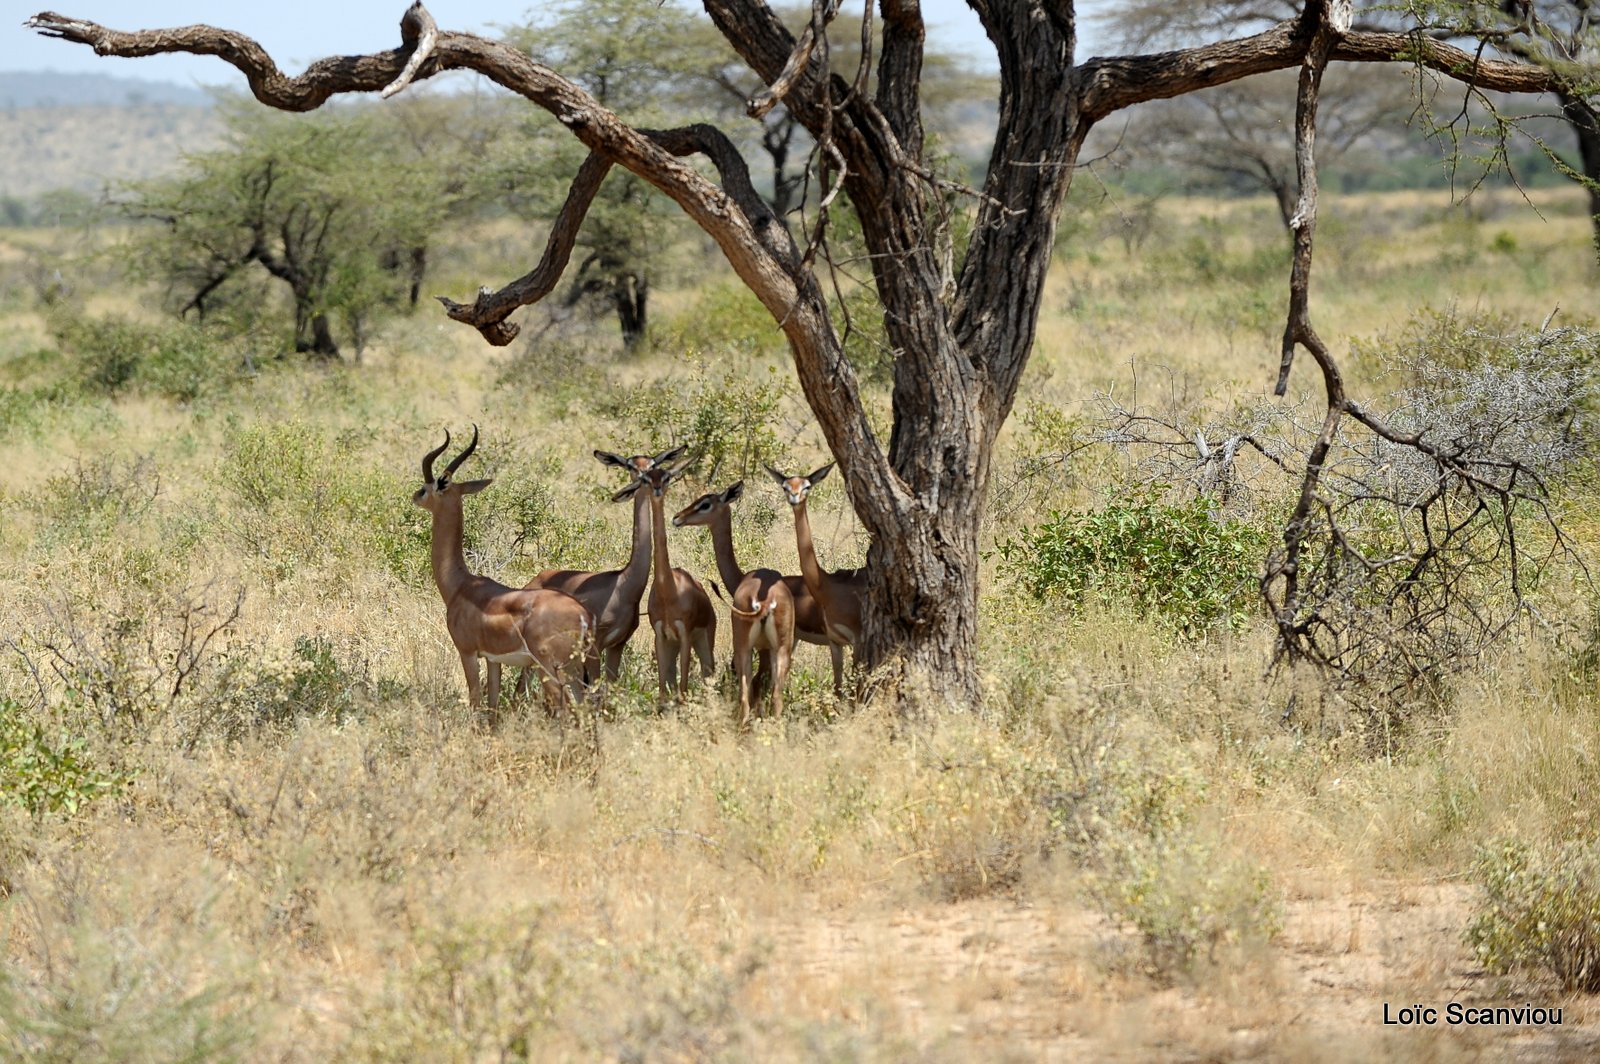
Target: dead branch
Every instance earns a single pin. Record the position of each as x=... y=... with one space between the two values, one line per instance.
x=822 y=13
x=420 y=33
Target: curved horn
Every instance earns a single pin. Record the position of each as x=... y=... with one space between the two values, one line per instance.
x=427 y=459
x=455 y=463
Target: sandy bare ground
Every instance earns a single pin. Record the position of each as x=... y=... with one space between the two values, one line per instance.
x=1039 y=982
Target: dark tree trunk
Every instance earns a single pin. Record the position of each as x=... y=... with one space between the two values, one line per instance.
x=631 y=293
x=419 y=270
x=778 y=140
x=1585 y=123
x=312 y=333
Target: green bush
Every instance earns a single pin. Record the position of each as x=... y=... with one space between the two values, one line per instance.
x=305 y=496
x=172 y=359
x=725 y=418
x=44 y=777
x=98 y=499
x=1180 y=560
x=725 y=316
x=312 y=681
x=1540 y=912
x=1187 y=899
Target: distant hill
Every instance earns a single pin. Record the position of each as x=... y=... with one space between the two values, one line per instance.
x=85 y=131
x=50 y=89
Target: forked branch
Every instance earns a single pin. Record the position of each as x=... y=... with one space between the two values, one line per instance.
x=489 y=311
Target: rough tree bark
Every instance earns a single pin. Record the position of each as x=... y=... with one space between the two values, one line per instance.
x=1584 y=118
x=961 y=338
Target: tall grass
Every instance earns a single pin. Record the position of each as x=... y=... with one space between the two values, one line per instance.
x=310 y=851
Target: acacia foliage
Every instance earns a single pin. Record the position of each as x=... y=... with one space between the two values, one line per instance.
x=336 y=211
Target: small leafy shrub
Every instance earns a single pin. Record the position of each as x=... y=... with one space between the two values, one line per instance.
x=561 y=372
x=96 y=498
x=44 y=777
x=726 y=419
x=1540 y=912
x=532 y=990
x=109 y=995
x=726 y=316
x=1188 y=899
x=173 y=359
x=978 y=813
x=303 y=495
x=1132 y=821
x=1179 y=560
x=130 y=659
x=472 y=993
x=312 y=680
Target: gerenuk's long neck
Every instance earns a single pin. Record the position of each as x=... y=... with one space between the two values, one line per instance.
x=722 y=544
x=449 y=564
x=809 y=569
x=636 y=574
x=658 y=525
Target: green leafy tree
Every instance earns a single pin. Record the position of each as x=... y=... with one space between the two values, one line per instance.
x=337 y=209
x=630 y=56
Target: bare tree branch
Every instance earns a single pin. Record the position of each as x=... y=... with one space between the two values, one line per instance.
x=1105 y=85
x=822 y=13
x=489 y=311
x=420 y=33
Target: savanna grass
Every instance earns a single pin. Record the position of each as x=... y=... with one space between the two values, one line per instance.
x=313 y=852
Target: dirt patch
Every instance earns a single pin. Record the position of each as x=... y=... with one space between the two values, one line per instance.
x=997 y=980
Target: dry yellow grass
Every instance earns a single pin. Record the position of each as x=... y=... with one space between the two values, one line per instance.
x=318 y=855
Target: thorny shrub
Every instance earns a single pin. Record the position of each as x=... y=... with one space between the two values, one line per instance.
x=45 y=776
x=1540 y=912
x=1424 y=549
x=1182 y=560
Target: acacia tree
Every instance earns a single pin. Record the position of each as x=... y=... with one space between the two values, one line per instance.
x=627 y=56
x=319 y=204
x=1242 y=132
x=657 y=64
x=1562 y=36
x=961 y=330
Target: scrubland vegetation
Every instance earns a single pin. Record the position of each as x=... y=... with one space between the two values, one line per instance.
x=248 y=815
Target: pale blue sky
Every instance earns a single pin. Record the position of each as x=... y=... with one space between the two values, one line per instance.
x=296 y=32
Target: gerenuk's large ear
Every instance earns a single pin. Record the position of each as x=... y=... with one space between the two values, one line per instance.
x=816 y=477
x=614 y=459
x=632 y=487
x=472 y=487
x=781 y=478
x=667 y=456
x=733 y=491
